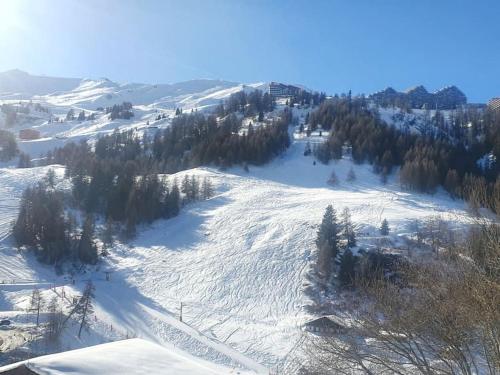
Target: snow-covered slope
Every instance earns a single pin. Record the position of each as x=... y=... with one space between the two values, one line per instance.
x=237 y=262
x=59 y=95
x=127 y=357
x=16 y=84
x=102 y=93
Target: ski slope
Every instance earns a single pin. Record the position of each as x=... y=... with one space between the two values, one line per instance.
x=236 y=263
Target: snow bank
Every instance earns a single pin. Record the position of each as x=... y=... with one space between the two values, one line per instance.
x=127 y=357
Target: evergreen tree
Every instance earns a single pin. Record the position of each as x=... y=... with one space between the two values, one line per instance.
x=24 y=161
x=51 y=178
x=194 y=188
x=207 y=188
x=452 y=183
x=384 y=228
x=347 y=268
x=186 y=187
x=327 y=242
x=347 y=228
x=81 y=116
x=70 y=115
x=87 y=249
x=173 y=201
x=8 y=145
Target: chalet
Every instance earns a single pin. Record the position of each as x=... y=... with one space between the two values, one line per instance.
x=29 y=134
x=324 y=326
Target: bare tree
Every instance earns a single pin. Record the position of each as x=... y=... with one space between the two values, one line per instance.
x=443 y=317
x=36 y=303
x=84 y=307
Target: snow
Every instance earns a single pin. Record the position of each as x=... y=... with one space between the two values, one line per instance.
x=127 y=357
x=238 y=262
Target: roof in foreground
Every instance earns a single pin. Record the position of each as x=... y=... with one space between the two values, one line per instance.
x=324 y=322
x=127 y=357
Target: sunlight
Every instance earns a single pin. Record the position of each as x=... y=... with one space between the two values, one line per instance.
x=9 y=16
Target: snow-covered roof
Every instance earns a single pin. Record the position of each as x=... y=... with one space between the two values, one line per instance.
x=127 y=357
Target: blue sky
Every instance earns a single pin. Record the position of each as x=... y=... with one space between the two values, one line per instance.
x=334 y=46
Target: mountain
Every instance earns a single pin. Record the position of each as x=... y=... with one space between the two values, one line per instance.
x=93 y=93
x=18 y=84
x=418 y=97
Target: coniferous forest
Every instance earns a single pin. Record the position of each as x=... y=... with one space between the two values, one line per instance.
x=445 y=158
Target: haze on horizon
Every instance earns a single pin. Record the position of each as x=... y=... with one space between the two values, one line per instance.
x=332 y=46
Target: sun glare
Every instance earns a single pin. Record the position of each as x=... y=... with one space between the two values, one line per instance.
x=9 y=15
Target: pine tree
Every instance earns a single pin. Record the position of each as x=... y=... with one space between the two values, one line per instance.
x=327 y=241
x=194 y=188
x=70 y=115
x=84 y=307
x=384 y=228
x=207 y=188
x=51 y=178
x=87 y=249
x=347 y=268
x=81 y=116
x=24 y=161
x=173 y=200
x=348 y=229
x=185 y=187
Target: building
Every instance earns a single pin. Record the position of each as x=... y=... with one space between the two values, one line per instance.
x=29 y=134
x=494 y=104
x=324 y=326
x=281 y=90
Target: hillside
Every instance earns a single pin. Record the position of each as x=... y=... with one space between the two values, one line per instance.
x=238 y=268
x=229 y=279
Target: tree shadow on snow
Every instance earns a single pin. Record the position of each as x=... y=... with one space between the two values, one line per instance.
x=183 y=232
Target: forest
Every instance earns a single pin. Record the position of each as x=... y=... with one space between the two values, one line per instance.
x=447 y=158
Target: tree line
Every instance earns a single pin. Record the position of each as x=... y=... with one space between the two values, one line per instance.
x=45 y=225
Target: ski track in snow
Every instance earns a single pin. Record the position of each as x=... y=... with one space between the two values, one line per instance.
x=237 y=262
